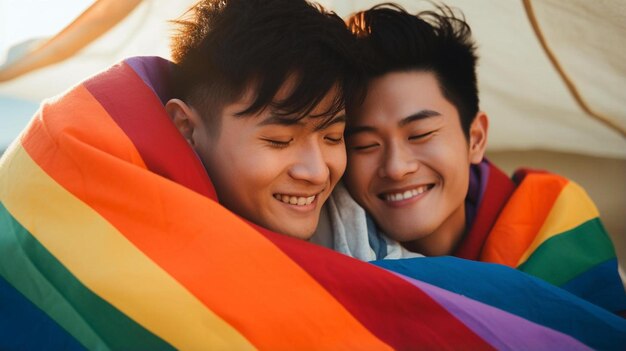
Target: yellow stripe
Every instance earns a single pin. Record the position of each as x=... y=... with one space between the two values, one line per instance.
x=107 y=263
x=572 y=208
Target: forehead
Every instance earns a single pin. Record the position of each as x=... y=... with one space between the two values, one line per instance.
x=316 y=120
x=396 y=95
x=289 y=95
x=277 y=111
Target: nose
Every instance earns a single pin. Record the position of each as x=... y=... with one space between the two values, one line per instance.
x=310 y=164
x=399 y=161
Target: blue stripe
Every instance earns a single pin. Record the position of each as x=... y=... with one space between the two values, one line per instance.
x=519 y=294
x=20 y=320
x=600 y=285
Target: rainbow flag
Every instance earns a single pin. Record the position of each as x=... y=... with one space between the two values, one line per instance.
x=111 y=238
x=550 y=228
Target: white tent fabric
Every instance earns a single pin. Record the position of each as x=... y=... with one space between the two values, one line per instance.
x=529 y=104
x=145 y=31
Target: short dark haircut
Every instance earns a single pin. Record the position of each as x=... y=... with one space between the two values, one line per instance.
x=433 y=41
x=225 y=47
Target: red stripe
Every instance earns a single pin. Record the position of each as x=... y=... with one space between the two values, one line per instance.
x=397 y=312
x=498 y=192
x=136 y=108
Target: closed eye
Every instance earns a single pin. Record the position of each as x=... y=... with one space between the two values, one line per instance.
x=421 y=136
x=278 y=143
x=335 y=140
x=364 y=147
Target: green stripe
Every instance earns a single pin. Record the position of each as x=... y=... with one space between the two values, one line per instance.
x=38 y=275
x=571 y=253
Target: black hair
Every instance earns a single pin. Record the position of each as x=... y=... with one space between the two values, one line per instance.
x=226 y=47
x=433 y=41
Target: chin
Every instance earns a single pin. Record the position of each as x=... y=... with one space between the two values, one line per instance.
x=300 y=235
x=409 y=235
x=297 y=233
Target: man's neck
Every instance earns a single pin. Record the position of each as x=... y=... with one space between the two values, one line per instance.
x=444 y=239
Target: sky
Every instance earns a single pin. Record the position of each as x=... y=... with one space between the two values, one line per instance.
x=21 y=20
x=25 y=19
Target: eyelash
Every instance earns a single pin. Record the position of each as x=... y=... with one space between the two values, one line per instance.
x=335 y=141
x=278 y=144
x=365 y=147
x=414 y=137
x=421 y=136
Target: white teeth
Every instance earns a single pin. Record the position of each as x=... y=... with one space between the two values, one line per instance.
x=295 y=200
x=407 y=194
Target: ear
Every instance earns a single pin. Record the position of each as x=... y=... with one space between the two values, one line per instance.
x=478 y=137
x=184 y=117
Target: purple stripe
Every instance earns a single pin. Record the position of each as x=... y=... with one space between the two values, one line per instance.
x=155 y=72
x=499 y=328
x=478 y=177
x=484 y=177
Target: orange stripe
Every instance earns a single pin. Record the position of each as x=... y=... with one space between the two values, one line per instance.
x=227 y=264
x=96 y=131
x=572 y=208
x=522 y=218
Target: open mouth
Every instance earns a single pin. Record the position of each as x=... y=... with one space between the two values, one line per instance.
x=295 y=200
x=405 y=194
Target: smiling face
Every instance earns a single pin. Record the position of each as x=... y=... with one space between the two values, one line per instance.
x=408 y=160
x=268 y=169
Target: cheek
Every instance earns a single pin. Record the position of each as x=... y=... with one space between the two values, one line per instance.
x=337 y=162
x=452 y=164
x=261 y=168
x=447 y=158
x=245 y=168
x=358 y=174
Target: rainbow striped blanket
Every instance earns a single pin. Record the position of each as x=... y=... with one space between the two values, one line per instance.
x=111 y=238
x=545 y=225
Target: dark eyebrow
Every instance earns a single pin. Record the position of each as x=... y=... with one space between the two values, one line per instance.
x=418 y=116
x=289 y=121
x=335 y=120
x=280 y=120
x=359 y=129
x=403 y=122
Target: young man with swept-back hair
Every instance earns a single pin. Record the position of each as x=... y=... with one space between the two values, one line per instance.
x=416 y=165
